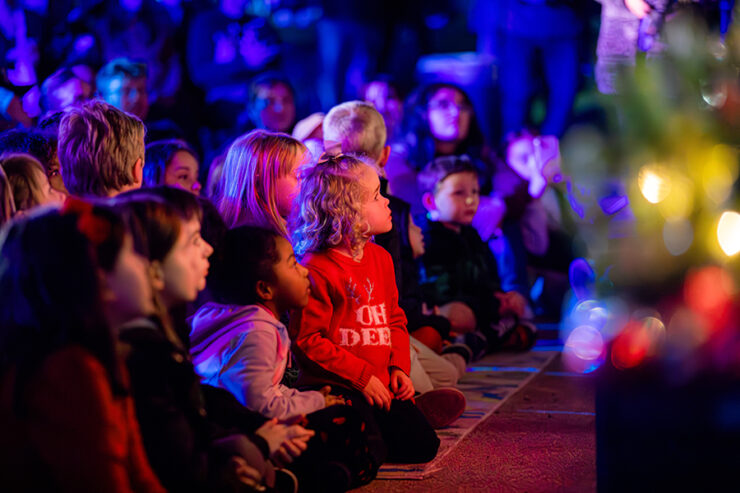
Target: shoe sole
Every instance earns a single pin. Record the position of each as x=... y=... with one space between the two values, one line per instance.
x=441 y=407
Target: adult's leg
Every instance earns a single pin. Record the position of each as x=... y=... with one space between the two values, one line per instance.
x=516 y=84
x=560 y=58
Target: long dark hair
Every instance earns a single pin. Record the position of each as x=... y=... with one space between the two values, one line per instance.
x=418 y=134
x=50 y=293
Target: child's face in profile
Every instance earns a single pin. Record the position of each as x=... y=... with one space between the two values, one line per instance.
x=128 y=286
x=456 y=199
x=449 y=115
x=127 y=94
x=291 y=287
x=182 y=172
x=274 y=107
x=375 y=210
x=186 y=266
x=47 y=193
x=288 y=186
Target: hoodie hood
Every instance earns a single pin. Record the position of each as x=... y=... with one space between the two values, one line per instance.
x=213 y=320
x=217 y=329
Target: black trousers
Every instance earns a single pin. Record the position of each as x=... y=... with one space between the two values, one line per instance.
x=401 y=435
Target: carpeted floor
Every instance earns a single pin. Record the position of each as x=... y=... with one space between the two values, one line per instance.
x=542 y=439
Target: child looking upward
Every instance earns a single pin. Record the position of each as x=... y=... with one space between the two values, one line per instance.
x=352 y=334
x=239 y=344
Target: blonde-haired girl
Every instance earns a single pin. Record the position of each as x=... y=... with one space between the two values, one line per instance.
x=352 y=334
x=259 y=180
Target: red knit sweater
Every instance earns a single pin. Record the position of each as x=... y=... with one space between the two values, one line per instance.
x=352 y=327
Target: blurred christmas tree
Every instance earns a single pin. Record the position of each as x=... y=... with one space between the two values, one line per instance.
x=672 y=254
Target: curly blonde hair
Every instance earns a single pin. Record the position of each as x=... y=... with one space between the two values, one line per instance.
x=329 y=211
x=246 y=190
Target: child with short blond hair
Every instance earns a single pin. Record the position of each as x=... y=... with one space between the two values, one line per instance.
x=352 y=334
x=101 y=150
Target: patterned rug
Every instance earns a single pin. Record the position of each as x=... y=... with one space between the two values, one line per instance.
x=486 y=385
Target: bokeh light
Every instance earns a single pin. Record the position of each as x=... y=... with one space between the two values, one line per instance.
x=679 y=201
x=630 y=347
x=728 y=233
x=719 y=172
x=654 y=183
x=678 y=235
x=709 y=292
x=584 y=349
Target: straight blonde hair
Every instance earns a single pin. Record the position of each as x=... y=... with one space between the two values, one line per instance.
x=246 y=191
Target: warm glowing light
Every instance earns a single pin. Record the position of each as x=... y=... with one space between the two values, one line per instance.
x=728 y=233
x=678 y=236
x=719 y=173
x=679 y=202
x=631 y=346
x=709 y=292
x=654 y=183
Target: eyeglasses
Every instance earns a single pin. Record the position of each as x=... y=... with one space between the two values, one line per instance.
x=447 y=105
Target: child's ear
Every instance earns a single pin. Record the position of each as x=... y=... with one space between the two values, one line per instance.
x=427 y=200
x=384 y=155
x=138 y=172
x=156 y=272
x=264 y=290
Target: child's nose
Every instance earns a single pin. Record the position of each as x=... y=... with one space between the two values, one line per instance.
x=207 y=248
x=197 y=187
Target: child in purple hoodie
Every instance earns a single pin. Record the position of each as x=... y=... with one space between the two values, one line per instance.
x=238 y=343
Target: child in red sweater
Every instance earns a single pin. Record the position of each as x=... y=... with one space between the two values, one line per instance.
x=352 y=334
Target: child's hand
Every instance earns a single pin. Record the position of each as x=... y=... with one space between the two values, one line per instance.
x=401 y=385
x=639 y=8
x=284 y=442
x=330 y=400
x=244 y=473
x=377 y=394
x=512 y=303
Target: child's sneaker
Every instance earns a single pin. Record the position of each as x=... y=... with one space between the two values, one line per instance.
x=441 y=407
x=521 y=338
x=459 y=348
x=477 y=343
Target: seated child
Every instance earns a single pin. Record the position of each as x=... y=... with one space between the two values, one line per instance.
x=459 y=267
x=352 y=334
x=239 y=344
x=173 y=163
x=101 y=150
x=259 y=180
x=187 y=448
x=360 y=130
x=66 y=413
x=29 y=183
